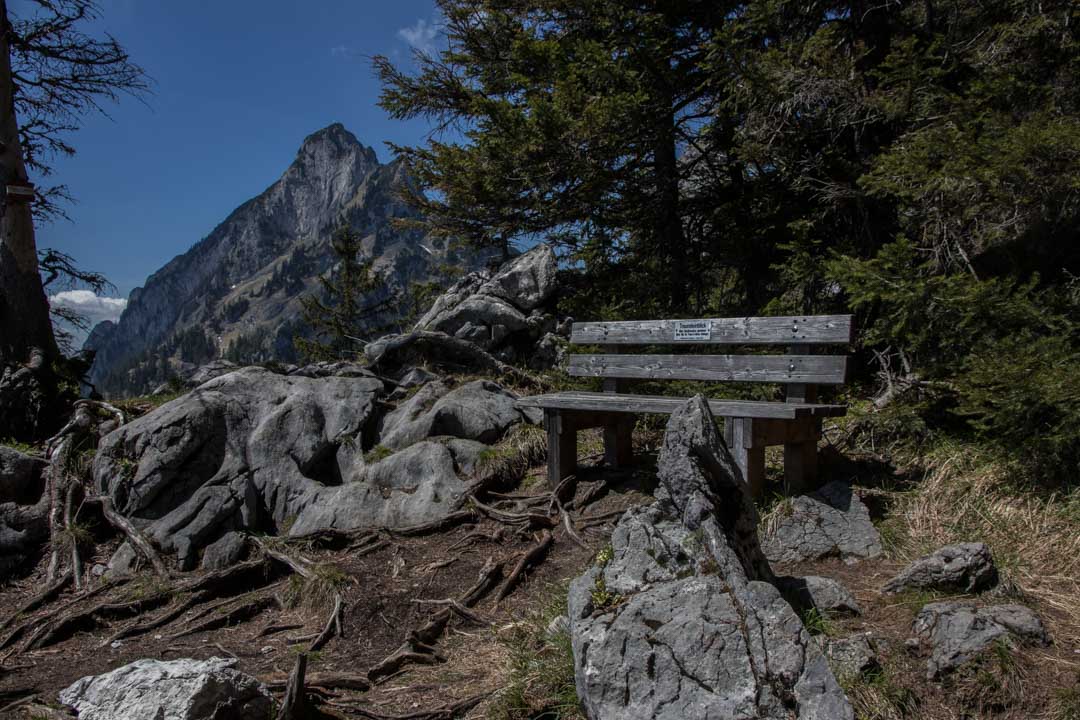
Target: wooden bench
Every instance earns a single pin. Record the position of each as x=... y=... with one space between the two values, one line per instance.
x=749 y=426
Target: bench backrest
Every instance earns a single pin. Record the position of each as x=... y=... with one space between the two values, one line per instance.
x=798 y=367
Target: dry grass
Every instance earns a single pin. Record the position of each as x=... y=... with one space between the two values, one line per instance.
x=508 y=460
x=317 y=592
x=1034 y=538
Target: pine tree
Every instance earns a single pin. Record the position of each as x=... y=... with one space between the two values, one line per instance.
x=352 y=299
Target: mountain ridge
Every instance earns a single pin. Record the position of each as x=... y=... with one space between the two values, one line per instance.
x=236 y=291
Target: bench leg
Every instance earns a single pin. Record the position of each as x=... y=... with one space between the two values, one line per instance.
x=739 y=436
x=619 y=443
x=562 y=447
x=801 y=461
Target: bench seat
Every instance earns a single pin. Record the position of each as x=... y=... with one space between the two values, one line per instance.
x=612 y=403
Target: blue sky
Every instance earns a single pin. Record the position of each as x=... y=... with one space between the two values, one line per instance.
x=238 y=84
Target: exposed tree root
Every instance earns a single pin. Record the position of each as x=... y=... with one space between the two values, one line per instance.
x=322 y=681
x=527 y=519
x=458 y=608
x=453 y=519
x=591 y=495
x=87 y=619
x=333 y=625
x=531 y=558
x=21 y=630
x=138 y=540
x=45 y=596
x=446 y=712
x=417 y=647
x=569 y=524
x=274 y=628
x=241 y=612
x=294 y=705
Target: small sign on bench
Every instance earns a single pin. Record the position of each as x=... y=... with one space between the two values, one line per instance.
x=693 y=330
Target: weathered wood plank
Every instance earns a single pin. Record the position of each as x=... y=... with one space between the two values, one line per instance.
x=738 y=434
x=802 y=369
x=619 y=443
x=608 y=402
x=809 y=329
x=562 y=447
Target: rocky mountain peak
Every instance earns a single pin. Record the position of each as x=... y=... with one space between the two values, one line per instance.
x=235 y=293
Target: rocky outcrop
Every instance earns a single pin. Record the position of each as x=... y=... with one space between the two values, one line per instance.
x=247 y=450
x=956 y=633
x=964 y=567
x=832 y=522
x=23 y=507
x=481 y=410
x=256 y=450
x=237 y=292
x=680 y=618
x=170 y=690
x=505 y=313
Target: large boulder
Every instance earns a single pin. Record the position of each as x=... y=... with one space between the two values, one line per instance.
x=416 y=485
x=832 y=522
x=956 y=633
x=964 y=567
x=170 y=690
x=21 y=478
x=503 y=313
x=24 y=507
x=248 y=450
x=395 y=355
x=680 y=618
x=527 y=281
x=480 y=410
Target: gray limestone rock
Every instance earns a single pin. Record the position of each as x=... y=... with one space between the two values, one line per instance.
x=964 y=567
x=957 y=632
x=21 y=479
x=24 y=507
x=181 y=689
x=832 y=522
x=392 y=354
x=548 y=353
x=224 y=552
x=247 y=450
x=415 y=485
x=850 y=657
x=823 y=594
x=680 y=619
x=480 y=410
x=474 y=317
x=527 y=281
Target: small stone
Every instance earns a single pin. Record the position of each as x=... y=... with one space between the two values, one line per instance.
x=823 y=594
x=957 y=632
x=852 y=656
x=832 y=522
x=964 y=567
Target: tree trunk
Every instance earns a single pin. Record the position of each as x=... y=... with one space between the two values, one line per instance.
x=24 y=309
x=670 y=238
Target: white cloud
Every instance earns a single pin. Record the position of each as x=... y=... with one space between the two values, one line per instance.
x=421 y=35
x=94 y=308
x=343 y=51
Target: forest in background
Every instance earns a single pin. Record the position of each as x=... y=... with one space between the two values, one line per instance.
x=917 y=164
